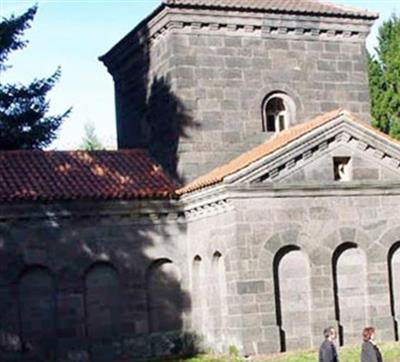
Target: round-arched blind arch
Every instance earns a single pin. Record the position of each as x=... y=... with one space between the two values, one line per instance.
x=103 y=302
x=165 y=305
x=278 y=112
x=350 y=290
x=293 y=302
x=37 y=309
x=394 y=280
x=197 y=297
x=216 y=295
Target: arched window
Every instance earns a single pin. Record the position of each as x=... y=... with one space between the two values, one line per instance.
x=278 y=112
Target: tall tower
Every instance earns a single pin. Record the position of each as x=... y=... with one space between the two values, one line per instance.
x=200 y=81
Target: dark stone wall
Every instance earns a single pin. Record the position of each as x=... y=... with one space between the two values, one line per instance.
x=150 y=112
x=295 y=263
x=92 y=286
x=194 y=94
x=224 y=79
x=253 y=270
x=345 y=243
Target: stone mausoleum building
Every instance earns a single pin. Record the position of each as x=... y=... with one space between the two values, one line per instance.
x=250 y=203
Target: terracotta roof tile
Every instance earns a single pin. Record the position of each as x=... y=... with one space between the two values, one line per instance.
x=124 y=174
x=98 y=175
x=311 y=7
x=282 y=139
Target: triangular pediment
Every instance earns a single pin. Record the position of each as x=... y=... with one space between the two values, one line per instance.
x=308 y=152
x=340 y=161
x=342 y=150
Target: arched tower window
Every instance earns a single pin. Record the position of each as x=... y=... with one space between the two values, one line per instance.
x=278 y=112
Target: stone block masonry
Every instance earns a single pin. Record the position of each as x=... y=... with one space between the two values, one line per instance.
x=237 y=269
x=298 y=239
x=98 y=285
x=217 y=67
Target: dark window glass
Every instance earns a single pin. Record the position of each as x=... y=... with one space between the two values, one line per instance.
x=341 y=169
x=271 y=123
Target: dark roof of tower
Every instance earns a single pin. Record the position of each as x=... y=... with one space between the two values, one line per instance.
x=32 y=175
x=308 y=7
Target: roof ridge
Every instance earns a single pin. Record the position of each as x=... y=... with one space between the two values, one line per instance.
x=299 y=6
x=345 y=7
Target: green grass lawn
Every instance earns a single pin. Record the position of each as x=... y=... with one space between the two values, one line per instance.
x=390 y=351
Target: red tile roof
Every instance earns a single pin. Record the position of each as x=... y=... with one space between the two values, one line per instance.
x=310 y=7
x=125 y=174
x=280 y=140
x=98 y=175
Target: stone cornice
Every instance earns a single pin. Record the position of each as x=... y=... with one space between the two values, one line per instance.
x=205 y=203
x=213 y=201
x=276 y=25
x=235 y=23
x=348 y=189
x=132 y=212
x=207 y=208
x=142 y=211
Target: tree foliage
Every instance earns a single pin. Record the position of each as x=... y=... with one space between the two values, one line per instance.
x=90 y=141
x=384 y=78
x=24 y=123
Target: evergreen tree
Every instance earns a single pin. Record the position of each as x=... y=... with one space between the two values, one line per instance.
x=91 y=142
x=24 y=123
x=384 y=78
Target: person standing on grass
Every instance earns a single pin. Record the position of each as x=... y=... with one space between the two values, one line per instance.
x=327 y=351
x=369 y=350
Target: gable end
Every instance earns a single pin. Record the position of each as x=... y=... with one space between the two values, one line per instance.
x=373 y=157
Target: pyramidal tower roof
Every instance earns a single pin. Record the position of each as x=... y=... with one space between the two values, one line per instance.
x=307 y=7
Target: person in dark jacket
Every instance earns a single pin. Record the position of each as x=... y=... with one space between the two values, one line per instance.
x=369 y=350
x=327 y=351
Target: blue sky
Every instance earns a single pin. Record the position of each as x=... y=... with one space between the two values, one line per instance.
x=73 y=34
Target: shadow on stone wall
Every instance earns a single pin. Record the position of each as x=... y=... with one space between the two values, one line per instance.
x=93 y=281
x=83 y=288
x=167 y=123
x=85 y=282
x=149 y=114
